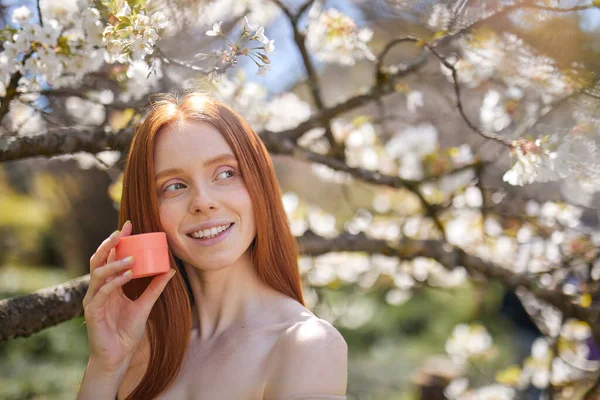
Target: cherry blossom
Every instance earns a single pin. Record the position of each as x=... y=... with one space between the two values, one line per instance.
x=335 y=38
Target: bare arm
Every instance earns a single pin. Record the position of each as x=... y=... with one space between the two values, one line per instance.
x=115 y=324
x=100 y=384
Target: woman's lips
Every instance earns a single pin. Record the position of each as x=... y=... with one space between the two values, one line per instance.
x=213 y=240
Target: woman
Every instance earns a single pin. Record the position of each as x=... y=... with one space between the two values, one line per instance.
x=231 y=323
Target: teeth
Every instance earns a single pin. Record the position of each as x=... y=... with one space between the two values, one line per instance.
x=208 y=233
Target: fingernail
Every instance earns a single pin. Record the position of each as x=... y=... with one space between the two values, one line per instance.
x=173 y=273
x=115 y=233
x=126 y=222
x=127 y=273
x=128 y=259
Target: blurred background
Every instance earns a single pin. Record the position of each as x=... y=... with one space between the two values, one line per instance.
x=414 y=329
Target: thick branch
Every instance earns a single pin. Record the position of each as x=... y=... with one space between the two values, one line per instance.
x=23 y=316
x=64 y=141
x=450 y=256
x=81 y=93
x=94 y=140
x=11 y=92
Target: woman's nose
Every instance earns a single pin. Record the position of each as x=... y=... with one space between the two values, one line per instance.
x=203 y=202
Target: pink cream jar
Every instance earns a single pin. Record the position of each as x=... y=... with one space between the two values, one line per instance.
x=150 y=253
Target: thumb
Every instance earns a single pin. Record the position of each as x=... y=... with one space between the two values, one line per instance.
x=154 y=290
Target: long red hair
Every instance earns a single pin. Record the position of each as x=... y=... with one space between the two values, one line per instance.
x=273 y=251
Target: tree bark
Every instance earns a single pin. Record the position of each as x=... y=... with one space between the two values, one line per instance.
x=23 y=316
x=26 y=315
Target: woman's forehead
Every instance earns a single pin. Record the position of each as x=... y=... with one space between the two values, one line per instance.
x=189 y=140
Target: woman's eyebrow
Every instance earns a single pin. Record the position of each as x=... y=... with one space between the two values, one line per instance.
x=211 y=161
x=218 y=159
x=167 y=172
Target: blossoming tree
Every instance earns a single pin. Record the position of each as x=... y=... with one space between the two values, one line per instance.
x=74 y=78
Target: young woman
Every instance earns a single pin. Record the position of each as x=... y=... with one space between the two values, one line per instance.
x=231 y=323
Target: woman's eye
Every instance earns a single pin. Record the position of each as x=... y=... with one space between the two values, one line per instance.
x=225 y=173
x=172 y=184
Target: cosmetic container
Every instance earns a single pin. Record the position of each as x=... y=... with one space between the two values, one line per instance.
x=150 y=253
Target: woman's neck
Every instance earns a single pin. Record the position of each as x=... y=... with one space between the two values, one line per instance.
x=227 y=298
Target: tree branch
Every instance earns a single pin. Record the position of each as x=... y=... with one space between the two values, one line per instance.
x=23 y=316
x=311 y=73
x=64 y=141
x=39 y=10
x=95 y=139
x=378 y=90
x=459 y=105
x=303 y=8
x=11 y=92
x=80 y=92
x=512 y=7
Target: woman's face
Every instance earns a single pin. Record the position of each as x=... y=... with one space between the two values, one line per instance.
x=201 y=192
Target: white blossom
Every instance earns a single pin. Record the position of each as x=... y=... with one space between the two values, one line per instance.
x=493 y=114
x=468 y=341
x=262 y=70
x=532 y=162
x=494 y=391
x=159 y=21
x=141 y=80
x=456 y=387
x=21 y=15
x=216 y=29
x=269 y=46
x=85 y=112
x=335 y=38
x=410 y=146
x=397 y=297
x=93 y=27
x=248 y=26
x=414 y=100
x=439 y=18
x=285 y=111
x=125 y=10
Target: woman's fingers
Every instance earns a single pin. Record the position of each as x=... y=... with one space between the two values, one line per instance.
x=154 y=290
x=99 y=258
x=127 y=228
x=102 y=296
x=111 y=256
x=99 y=277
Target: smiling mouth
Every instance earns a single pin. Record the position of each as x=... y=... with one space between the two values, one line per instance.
x=210 y=236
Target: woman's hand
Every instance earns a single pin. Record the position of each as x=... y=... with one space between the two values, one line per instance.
x=116 y=324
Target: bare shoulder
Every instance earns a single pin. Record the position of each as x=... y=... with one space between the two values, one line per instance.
x=313 y=334
x=310 y=357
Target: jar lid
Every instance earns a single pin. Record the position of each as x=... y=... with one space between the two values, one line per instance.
x=142 y=241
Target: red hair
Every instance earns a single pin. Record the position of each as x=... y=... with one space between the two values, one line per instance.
x=273 y=250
